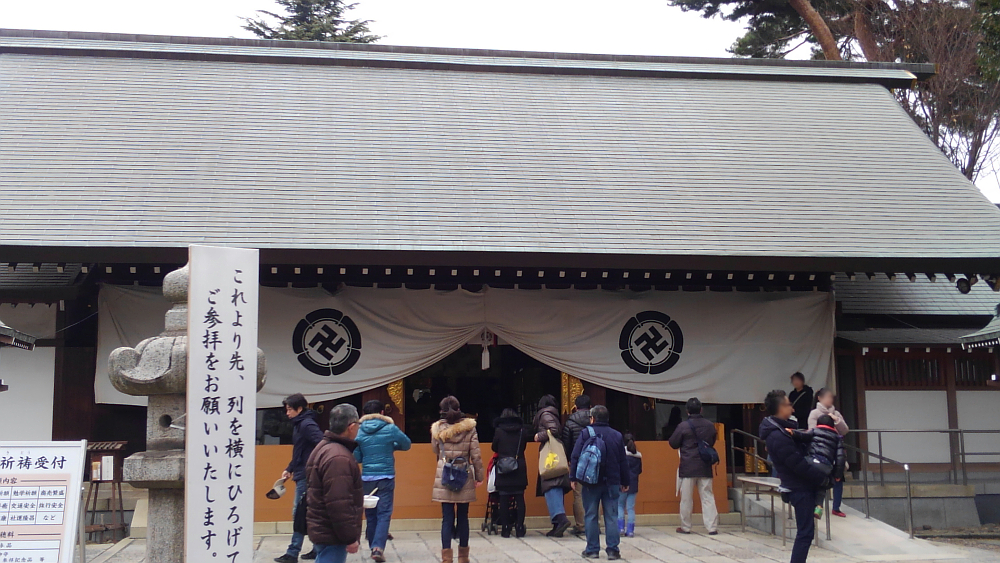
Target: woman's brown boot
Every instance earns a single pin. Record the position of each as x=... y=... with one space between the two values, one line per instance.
x=446 y=555
x=463 y=555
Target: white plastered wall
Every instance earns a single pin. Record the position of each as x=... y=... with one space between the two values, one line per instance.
x=909 y=410
x=26 y=407
x=980 y=410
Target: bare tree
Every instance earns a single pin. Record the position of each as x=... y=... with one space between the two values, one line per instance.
x=958 y=108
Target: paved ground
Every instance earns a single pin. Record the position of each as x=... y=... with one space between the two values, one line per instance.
x=651 y=545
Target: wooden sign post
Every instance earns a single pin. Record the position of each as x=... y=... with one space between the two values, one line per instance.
x=221 y=405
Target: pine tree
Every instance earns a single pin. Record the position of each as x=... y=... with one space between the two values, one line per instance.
x=958 y=108
x=312 y=20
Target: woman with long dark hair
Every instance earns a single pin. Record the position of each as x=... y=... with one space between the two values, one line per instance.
x=509 y=441
x=453 y=437
x=546 y=423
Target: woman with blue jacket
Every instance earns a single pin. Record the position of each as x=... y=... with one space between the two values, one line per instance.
x=378 y=440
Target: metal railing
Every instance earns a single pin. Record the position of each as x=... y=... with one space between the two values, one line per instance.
x=959 y=461
x=864 y=455
x=757 y=460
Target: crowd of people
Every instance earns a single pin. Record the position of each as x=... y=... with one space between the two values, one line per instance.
x=336 y=470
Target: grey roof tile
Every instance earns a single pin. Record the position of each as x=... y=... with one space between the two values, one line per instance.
x=24 y=276
x=914 y=336
x=903 y=297
x=158 y=152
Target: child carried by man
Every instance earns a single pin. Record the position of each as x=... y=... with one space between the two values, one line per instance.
x=826 y=452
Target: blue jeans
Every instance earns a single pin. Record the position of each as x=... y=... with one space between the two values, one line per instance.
x=554 y=502
x=838 y=494
x=626 y=507
x=295 y=547
x=594 y=497
x=454 y=524
x=804 y=503
x=326 y=553
x=377 y=531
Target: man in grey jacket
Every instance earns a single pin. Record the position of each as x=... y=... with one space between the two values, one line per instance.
x=694 y=470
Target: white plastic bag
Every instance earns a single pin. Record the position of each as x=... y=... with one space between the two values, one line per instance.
x=491 y=483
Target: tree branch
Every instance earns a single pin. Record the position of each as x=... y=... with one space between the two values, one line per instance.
x=818 y=27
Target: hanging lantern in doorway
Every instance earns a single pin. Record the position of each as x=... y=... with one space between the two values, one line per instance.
x=488 y=339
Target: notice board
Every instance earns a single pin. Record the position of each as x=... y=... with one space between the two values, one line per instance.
x=40 y=484
x=221 y=405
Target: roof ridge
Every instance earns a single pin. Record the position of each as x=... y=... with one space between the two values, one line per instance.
x=250 y=50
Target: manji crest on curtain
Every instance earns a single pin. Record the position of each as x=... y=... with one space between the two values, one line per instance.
x=722 y=347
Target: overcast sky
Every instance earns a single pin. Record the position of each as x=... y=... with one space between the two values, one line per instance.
x=640 y=27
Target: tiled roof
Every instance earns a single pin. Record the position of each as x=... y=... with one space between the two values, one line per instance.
x=24 y=276
x=903 y=297
x=989 y=335
x=914 y=336
x=226 y=145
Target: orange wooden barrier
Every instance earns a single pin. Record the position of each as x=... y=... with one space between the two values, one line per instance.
x=415 y=476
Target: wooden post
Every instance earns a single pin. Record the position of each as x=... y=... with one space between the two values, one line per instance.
x=950 y=382
x=859 y=374
x=73 y=403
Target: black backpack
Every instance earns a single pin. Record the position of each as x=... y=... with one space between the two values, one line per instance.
x=707 y=453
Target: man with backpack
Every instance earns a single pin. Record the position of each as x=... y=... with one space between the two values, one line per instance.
x=695 y=438
x=599 y=470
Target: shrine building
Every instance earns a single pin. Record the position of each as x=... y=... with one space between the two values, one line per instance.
x=496 y=225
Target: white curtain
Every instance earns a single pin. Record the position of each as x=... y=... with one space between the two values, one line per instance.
x=721 y=347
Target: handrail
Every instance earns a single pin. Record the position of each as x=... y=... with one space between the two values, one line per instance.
x=957 y=458
x=864 y=471
x=925 y=430
x=733 y=449
x=865 y=456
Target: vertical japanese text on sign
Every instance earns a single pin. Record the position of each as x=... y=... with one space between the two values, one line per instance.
x=221 y=404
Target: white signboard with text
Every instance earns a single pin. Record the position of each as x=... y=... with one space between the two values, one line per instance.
x=221 y=404
x=40 y=484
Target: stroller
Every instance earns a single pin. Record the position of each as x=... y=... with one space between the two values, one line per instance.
x=491 y=522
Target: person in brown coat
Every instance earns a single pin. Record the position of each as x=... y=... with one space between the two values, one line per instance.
x=334 y=498
x=546 y=421
x=452 y=437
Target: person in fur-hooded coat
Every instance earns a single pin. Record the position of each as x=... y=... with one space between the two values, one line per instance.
x=450 y=441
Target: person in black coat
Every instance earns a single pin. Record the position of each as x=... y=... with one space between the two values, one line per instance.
x=575 y=424
x=306 y=434
x=509 y=441
x=802 y=399
x=825 y=448
x=695 y=472
x=799 y=477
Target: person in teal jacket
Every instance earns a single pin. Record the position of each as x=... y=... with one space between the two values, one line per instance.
x=378 y=441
